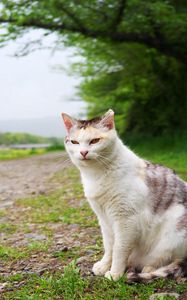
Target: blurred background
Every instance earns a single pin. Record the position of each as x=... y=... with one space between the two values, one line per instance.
x=81 y=57
x=84 y=57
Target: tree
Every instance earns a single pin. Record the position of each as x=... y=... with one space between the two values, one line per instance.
x=135 y=50
x=146 y=89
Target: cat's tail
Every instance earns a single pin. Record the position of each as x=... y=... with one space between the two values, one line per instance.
x=176 y=269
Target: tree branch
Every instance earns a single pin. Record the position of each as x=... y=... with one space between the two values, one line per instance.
x=119 y=14
x=145 y=39
x=72 y=16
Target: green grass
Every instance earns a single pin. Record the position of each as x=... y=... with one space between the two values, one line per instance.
x=71 y=286
x=19 y=153
x=71 y=253
x=7 y=227
x=7 y=154
x=11 y=253
x=56 y=207
x=66 y=207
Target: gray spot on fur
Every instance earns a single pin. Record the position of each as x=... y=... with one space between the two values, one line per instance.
x=86 y=123
x=182 y=224
x=172 y=271
x=165 y=187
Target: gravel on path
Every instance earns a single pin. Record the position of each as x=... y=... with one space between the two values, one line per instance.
x=29 y=176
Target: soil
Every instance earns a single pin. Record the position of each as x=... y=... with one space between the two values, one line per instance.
x=29 y=176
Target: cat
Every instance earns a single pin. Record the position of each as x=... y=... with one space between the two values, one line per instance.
x=141 y=207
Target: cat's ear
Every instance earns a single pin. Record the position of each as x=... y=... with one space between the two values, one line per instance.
x=69 y=122
x=108 y=119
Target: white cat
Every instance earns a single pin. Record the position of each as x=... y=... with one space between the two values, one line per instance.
x=141 y=207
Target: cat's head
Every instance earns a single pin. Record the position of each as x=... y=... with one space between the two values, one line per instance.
x=89 y=141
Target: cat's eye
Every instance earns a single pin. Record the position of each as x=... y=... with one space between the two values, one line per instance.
x=95 y=141
x=74 y=142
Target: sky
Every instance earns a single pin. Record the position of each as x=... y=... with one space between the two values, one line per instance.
x=32 y=91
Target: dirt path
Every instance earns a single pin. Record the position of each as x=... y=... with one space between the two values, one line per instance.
x=29 y=176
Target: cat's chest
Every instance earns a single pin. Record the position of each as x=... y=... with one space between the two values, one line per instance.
x=106 y=186
x=116 y=190
x=96 y=188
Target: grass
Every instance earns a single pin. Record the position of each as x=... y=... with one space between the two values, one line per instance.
x=19 y=153
x=17 y=253
x=11 y=253
x=7 y=154
x=65 y=213
x=56 y=207
x=7 y=227
x=71 y=286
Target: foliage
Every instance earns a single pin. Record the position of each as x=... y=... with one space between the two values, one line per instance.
x=147 y=90
x=10 y=138
x=6 y=154
x=152 y=23
x=135 y=54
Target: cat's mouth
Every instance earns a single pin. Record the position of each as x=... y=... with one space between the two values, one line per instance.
x=85 y=159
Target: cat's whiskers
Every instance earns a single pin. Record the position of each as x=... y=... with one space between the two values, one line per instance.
x=60 y=154
x=106 y=159
x=61 y=158
x=63 y=163
x=107 y=153
x=102 y=161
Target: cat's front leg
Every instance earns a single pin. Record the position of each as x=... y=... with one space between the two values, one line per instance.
x=102 y=266
x=124 y=237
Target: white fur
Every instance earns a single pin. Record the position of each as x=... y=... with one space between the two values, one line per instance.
x=117 y=192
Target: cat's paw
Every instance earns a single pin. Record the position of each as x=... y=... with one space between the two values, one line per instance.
x=113 y=276
x=100 y=268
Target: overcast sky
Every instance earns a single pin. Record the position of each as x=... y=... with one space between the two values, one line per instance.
x=30 y=88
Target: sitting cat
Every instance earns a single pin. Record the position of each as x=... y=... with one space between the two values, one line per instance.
x=141 y=207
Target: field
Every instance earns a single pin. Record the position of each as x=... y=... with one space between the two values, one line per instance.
x=49 y=241
x=7 y=154
x=19 y=153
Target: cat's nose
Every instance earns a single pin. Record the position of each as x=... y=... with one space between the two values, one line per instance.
x=84 y=153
